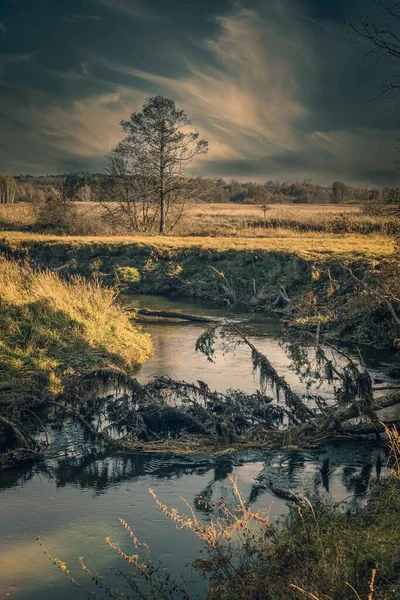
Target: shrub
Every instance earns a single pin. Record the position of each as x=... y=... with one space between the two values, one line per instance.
x=57 y=213
x=128 y=274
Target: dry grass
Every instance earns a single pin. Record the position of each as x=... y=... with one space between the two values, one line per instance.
x=240 y=218
x=233 y=220
x=308 y=245
x=51 y=328
x=16 y=215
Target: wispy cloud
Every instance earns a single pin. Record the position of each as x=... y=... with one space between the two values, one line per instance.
x=260 y=86
x=3 y=28
x=135 y=9
x=89 y=127
x=72 y=18
x=14 y=59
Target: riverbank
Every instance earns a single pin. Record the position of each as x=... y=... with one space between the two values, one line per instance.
x=319 y=550
x=311 y=279
x=51 y=331
x=322 y=551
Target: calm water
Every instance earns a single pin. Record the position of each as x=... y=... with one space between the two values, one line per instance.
x=74 y=498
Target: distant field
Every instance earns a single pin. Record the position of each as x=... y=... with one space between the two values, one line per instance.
x=248 y=219
x=252 y=210
x=231 y=220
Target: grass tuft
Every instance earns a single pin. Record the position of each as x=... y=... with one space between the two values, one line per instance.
x=51 y=328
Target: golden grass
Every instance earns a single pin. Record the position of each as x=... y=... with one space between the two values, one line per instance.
x=51 y=328
x=224 y=220
x=308 y=245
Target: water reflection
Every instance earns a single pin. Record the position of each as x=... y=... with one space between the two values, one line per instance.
x=75 y=501
x=75 y=496
x=336 y=471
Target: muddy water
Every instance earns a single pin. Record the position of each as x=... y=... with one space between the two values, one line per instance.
x=75 y=497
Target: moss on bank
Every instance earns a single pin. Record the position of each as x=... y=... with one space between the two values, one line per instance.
x=318 y=287
x=52 y=328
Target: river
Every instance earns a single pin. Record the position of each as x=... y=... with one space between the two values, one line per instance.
x=73 y=498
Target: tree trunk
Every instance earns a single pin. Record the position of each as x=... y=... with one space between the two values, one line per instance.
x=173 y=315
x=162 y=180
x=162 y=210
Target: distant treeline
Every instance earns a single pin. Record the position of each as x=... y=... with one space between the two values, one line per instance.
x=86 y=187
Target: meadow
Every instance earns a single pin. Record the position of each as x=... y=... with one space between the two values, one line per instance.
x=225 y=220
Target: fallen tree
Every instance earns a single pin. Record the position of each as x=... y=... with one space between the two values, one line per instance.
x=167 y=314
x=169 y=415
x=165 y=414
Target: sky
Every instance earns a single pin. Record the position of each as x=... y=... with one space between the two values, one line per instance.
x=279 y=88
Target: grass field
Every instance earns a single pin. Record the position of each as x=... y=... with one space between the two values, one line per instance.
x=233 y=220
x=308 y=245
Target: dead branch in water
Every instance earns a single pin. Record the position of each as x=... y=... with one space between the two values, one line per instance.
x=268 y=374
x=172 y=315
x=168 y=415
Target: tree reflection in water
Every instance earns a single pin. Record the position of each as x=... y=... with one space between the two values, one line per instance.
x=342 y=471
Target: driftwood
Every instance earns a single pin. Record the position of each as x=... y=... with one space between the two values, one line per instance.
x=166 y=314
x=369 y=428
x=379 y=403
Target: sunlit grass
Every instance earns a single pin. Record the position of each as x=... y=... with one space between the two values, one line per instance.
x=221 y=220
x=50 y=328
x=310 y=244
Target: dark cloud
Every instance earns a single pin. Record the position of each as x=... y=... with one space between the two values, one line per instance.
x=74 y=18
x=277 y=87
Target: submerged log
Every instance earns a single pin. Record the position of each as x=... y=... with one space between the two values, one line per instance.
x=166 y=314
x=369 y=428
x=380 y=403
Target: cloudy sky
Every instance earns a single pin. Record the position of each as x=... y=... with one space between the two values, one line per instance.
x=278 y=87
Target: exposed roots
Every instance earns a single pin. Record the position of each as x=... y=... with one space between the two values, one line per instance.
x=17 y=443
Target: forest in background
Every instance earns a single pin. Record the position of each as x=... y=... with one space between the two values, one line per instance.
x=86 y=187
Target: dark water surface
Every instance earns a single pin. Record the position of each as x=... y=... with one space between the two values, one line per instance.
x=74 y=498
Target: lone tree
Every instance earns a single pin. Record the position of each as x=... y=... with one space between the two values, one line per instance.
x=157 y=149
x=263 y=196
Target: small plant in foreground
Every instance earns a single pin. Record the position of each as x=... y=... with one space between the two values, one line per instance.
x=338 y=555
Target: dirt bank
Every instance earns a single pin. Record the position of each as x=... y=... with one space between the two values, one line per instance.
x=308 y=287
